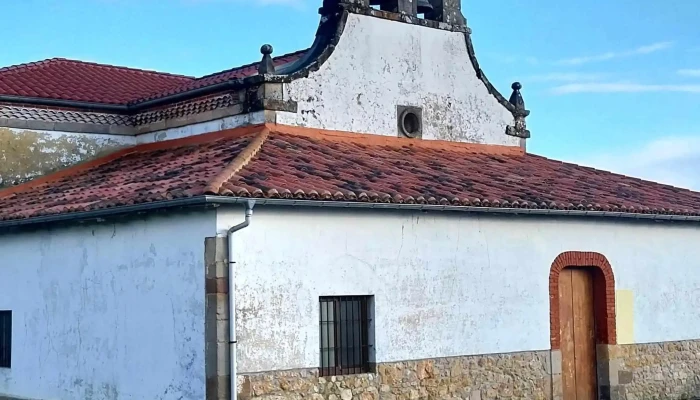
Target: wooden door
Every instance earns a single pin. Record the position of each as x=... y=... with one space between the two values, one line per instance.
x=577 y=326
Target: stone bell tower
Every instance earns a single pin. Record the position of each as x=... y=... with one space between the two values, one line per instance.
x=398 y=68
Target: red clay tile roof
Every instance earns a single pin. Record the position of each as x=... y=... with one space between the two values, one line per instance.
x=63 y=79
x=223 y=76
x=58 y=78
x=280 y=161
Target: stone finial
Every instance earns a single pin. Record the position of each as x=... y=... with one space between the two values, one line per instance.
x=519 y=129
x=516 y=98
x=266 y=65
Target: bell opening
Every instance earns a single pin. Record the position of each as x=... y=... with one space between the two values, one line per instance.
x=424 y=9
x=384 y=5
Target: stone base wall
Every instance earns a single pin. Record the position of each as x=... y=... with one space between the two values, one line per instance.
x=668 y=370
x=503 y=376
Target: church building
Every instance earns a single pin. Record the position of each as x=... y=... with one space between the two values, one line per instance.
x=359 y=220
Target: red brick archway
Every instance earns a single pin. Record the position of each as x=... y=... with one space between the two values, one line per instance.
x=604 y=289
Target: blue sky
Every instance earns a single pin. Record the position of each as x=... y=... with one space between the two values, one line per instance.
x=610 y=83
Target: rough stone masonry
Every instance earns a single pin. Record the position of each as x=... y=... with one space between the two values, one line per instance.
x=513 y=376
x=669 y=370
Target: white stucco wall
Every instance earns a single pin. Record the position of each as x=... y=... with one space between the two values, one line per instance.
x=215 y=125
x=444 y=284
x=379 y=64
x=107 y=311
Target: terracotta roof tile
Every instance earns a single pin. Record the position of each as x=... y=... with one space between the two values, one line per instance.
x=278 y=161
x=63 y=79
x=43 y=114
x=223 y=76
x=58 y=78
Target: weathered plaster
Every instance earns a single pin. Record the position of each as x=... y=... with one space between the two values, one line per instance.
x=107 y=311
x=443 y=284
x=380 y=64
x=26 y=154
x=203 y=127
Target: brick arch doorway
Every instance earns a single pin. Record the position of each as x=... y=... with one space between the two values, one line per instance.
x=582 y=315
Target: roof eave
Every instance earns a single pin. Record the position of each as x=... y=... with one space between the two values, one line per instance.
x=96 y=215
x=83 y=105
x=137 y=106
x=446 y=207
x=202 y=201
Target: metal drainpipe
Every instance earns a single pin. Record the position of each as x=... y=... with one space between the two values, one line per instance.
x=232 y=296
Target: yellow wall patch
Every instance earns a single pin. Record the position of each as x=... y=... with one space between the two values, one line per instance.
x=624 y=309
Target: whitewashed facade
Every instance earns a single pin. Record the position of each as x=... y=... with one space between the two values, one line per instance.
x=106 y=310
x=116 y=310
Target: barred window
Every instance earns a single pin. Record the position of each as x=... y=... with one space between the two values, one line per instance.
x=5 y=339
x=345 y=335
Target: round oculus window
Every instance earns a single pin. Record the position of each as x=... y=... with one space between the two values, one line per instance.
x=410 y=124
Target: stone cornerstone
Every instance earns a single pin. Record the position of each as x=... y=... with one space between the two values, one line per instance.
x=216 y=320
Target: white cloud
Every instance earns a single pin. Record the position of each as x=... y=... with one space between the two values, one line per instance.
x=565 y=77
x=673 y=160
x=689 y=72
x=647 y=49
x=621 y=87
x=652 y=48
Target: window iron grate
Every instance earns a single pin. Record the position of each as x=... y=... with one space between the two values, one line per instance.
x=5 y=339
x=344 y=331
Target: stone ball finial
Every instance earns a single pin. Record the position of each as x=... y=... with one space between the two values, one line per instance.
x=519 y=129
x=516 y=98
x=266 y=65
